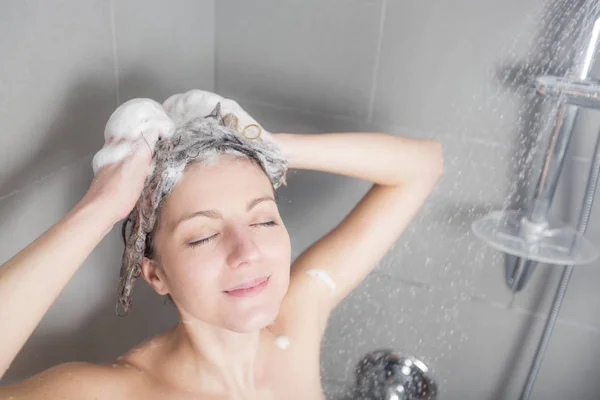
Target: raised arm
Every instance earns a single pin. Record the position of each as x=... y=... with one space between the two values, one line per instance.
x=403 y=170
x=32 y=280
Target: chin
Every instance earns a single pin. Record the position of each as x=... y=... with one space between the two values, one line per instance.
x=252 y=314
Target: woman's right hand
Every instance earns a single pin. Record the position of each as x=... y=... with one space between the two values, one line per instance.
x=117 y=186
x=122 y=165
x=34 y=278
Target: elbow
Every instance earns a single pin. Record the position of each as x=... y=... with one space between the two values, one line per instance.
x=437 y=151
x=434 y=160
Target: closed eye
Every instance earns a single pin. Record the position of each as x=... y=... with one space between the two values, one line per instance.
x=268 y=223
x=208 y=239
x=202 y=241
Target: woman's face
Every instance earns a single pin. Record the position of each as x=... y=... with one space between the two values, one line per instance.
x=220 y=228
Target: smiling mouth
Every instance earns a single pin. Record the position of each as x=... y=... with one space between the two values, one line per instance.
x=249 y=289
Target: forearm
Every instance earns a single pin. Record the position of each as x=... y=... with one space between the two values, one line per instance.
x=32 y=280
x=381 y=158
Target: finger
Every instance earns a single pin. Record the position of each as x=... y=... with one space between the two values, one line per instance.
x=110 y=154
x=245 y=119
x=150 y=137
x=143 y=150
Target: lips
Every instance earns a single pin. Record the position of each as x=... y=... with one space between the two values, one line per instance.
x=249 y=288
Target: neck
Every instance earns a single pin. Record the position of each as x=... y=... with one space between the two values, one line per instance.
x=213 y=358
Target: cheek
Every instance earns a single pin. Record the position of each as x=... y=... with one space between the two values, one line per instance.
x=276 y=249
x=190 y=274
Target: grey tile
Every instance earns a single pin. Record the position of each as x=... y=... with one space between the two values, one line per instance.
x=313 y=203
x=438 y=245
x=337 y=390
x=307 y=55
x=492 y=355
x=29 y=212
x=457 y=261
x=81 y=324
x=57 y=85
x=164 y=48
x=475 y=350
x=460 y=67
x=278 y=118
x=478 y=172
x=570 y=366
x=384 y=313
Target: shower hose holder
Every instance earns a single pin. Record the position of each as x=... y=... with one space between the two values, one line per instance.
x=534 y=236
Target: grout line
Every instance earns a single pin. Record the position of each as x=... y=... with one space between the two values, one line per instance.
x=116 y=77
x=375 y=76
x=581 y=159
x=305 y=112
x=335 y=381
x=537 y=315
x=349 y=118
x=50 y=175
x=113 y=29
x=403 y=281
x=215 y=51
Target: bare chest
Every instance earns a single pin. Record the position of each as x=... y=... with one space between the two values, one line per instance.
x=296 y=390
x=290 y=374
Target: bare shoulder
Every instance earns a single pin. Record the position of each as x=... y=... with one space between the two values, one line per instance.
x=74 y=380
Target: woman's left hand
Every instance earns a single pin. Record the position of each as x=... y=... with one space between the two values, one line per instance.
x=199 y=103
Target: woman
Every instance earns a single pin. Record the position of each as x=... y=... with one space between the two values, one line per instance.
x=206 y=231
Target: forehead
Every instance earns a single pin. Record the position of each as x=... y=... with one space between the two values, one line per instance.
x=226 y=182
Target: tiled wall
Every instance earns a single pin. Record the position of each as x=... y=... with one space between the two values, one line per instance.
x=456 y=71
x=64 y=67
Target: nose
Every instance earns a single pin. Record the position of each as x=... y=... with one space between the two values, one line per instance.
x=243 y=249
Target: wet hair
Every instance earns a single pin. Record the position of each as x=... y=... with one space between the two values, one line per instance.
x=197 y=140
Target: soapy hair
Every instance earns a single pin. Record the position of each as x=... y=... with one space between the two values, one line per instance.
x=198 y=140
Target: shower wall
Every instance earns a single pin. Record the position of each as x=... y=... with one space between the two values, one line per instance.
x=66 y=65
x=458 y=72
x=454 y=71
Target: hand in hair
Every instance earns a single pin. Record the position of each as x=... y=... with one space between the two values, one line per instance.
x=123 y=163
x=134 y=123
x=183 y=107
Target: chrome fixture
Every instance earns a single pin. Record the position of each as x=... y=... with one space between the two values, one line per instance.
x=387 y=375
x=532 y=236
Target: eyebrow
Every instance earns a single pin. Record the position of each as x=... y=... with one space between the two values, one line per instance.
x=214 y=214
